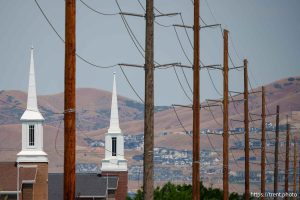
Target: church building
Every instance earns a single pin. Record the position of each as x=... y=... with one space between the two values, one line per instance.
x=114 y=163
x=111 y=182
x=27 y=178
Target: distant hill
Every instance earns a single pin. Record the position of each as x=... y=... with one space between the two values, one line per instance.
x=93 y=113
x=93 y=108
x=285 y=93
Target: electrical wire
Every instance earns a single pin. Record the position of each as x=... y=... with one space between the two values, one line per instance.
x=29 y=109
x=187 y=35
x=210 y=10
x=55 y=141
x=181 y=46
x=181 y=86
x=97 y=11
x=186 y=80
x=180 y=122
x=134 y=39
x=131 y=86
x=61 y=38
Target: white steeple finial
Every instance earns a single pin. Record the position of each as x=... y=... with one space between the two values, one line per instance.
x=32 y=99
x=114 y=115
x=32 y=111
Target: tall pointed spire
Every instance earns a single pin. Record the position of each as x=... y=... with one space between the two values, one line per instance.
x=114 y=140
x=32 y=111
x=114 y=115
x=32 y=99
x=32 y=125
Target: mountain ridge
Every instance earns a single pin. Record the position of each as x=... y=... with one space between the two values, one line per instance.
x=93 y=113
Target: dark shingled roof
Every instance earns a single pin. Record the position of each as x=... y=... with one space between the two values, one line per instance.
x=87 y=184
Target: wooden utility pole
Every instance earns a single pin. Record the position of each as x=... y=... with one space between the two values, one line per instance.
x=225 y=120
x=196 y=106
x=287 y=158
x=263 y=143
x=70 y=103
x=149 y=104
x=295 y=167
x=246 y=125
x=276 y=152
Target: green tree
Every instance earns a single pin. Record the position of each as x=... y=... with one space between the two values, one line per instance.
x=184 y=192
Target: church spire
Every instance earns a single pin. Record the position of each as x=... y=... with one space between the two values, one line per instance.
x=114 y=115
x=32 y=111
x=114 y=140
x=32 y=99
x=32 y=125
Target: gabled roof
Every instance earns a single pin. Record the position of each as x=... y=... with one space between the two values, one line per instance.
x=87 y=185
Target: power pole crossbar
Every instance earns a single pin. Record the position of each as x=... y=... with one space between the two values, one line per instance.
x=131 y=14
x=131 y=65
x=167 y=14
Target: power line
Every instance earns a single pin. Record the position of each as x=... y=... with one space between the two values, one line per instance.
x=181 y=86
x=131 y=86
x=234 y=47
x=186 y=31
x=181 y=46
x=212 y=82
x=180 y=122
x=210 y=10
x=186 y=80
x=97 y=11
x=130 y=32
x=61 y=38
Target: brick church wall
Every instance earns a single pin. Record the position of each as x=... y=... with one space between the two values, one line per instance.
x=122 y=189
x=40 y=187
x=27 y=192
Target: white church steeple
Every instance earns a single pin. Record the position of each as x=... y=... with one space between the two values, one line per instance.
x=32 y=125
x=114 y=139
x=114 y=115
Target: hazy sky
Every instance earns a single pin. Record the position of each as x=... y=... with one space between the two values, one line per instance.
x=266 y=32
